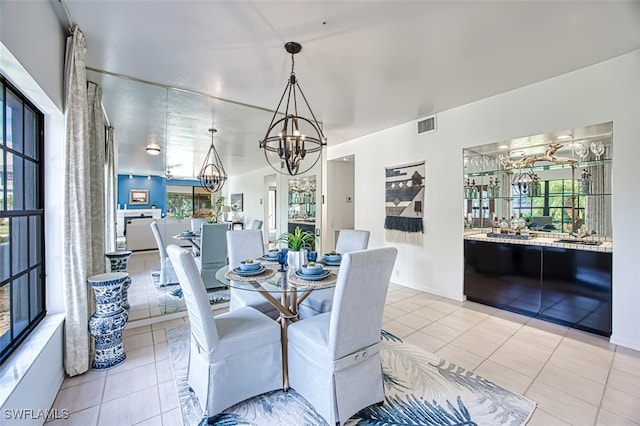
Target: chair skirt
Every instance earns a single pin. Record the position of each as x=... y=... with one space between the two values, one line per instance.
x=217 y=385
x=354 y=387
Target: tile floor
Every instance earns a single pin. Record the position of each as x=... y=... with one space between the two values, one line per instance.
x=576 y=378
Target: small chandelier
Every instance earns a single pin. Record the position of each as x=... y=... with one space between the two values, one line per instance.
x=212 y=175
x=293 y=137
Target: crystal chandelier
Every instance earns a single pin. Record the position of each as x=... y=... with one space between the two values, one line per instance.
x=292 y=138
x=212 y=175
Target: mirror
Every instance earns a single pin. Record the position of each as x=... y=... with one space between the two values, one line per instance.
x=555 y=182
x=302 y=201
x=164 y=188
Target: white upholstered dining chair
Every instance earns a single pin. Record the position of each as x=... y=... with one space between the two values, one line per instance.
x=320 y=301
x=334 y=358
x=241 y=245
x=233 y=356
x=167 y=274
x=213 y=253
x=196 y=226
x=255 y=224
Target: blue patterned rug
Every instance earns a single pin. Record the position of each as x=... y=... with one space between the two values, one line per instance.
x=420 y=389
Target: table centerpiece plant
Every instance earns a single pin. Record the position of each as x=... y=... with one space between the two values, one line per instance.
x=297 y=241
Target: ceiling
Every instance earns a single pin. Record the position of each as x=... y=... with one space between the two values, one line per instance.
x=364 y=65
x=568 y=140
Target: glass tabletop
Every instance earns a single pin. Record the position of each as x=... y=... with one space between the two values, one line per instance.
x=276 y=283
x=186 y=237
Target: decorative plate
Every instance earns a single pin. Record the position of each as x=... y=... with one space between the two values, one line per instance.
x=313 y=277
x=242 y=273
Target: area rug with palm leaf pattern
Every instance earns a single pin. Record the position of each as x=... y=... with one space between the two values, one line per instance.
x=420 y=389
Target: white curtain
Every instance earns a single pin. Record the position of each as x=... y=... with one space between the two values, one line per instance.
x=110 y=177
x=96 y=183
x=84 y=205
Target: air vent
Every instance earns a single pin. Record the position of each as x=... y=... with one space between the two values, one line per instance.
x=427 y=125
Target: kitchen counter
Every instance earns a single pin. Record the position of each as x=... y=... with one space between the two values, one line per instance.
x=540 y=239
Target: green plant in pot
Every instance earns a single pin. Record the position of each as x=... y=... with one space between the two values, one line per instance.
x=216 y=211
x=296 y=241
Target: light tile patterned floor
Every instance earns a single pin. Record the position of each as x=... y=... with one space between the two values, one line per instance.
x=576 y=378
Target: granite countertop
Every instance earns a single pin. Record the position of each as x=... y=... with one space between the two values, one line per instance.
x=539 y=239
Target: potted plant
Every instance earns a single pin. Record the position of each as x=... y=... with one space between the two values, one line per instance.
x=216 y=213
x=297 y=241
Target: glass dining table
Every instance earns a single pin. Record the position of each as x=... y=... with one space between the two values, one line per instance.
x=290 y=288
x=194 y=239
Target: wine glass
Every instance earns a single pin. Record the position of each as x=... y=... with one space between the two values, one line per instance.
x=581 y=150
x=282 y=259
x=597 y=148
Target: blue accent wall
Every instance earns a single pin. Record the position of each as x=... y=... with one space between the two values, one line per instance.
x=157 y=191
x=157 y=187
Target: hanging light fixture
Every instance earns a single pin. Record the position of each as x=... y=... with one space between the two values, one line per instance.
x=212 y=175
x=293 y=138
x=153 y=149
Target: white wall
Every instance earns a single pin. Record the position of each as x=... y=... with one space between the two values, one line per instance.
x=340 y=186
x=609 y=91
x=252 y=186
x=38 y=73
x=32 y=32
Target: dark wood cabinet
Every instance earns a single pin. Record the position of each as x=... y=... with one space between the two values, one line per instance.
x=567 y=286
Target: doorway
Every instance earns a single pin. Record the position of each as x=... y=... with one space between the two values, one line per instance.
x=270 y=208
x=340 y=197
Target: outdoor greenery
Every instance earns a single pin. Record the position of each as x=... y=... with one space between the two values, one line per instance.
x=556 y=200
x=179 y=205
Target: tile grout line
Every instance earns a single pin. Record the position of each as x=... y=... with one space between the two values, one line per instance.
x=606 y=384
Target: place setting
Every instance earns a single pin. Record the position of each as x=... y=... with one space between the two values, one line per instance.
x=332 y=259
x=249 y=270
x=271 y=256
x=312 y=273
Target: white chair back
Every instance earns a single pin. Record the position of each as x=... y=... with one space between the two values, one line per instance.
x=203 y=326
x=167 y=274
x=213 y=245
x=352 y=240
x=156 y=233
x=244 y=244
x=355 y=324
x=196 y=224
x=256 y=224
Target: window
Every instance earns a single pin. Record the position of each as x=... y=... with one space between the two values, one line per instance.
x=183 y=201
x=556 y=200
x=22 y=282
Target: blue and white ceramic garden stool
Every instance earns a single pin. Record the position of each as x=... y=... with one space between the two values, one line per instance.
x=110 y=319
x=119 y=262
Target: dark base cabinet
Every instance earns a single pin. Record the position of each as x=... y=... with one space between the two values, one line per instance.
x=566 y=286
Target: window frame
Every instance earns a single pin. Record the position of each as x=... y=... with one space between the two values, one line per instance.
x=34 y=274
